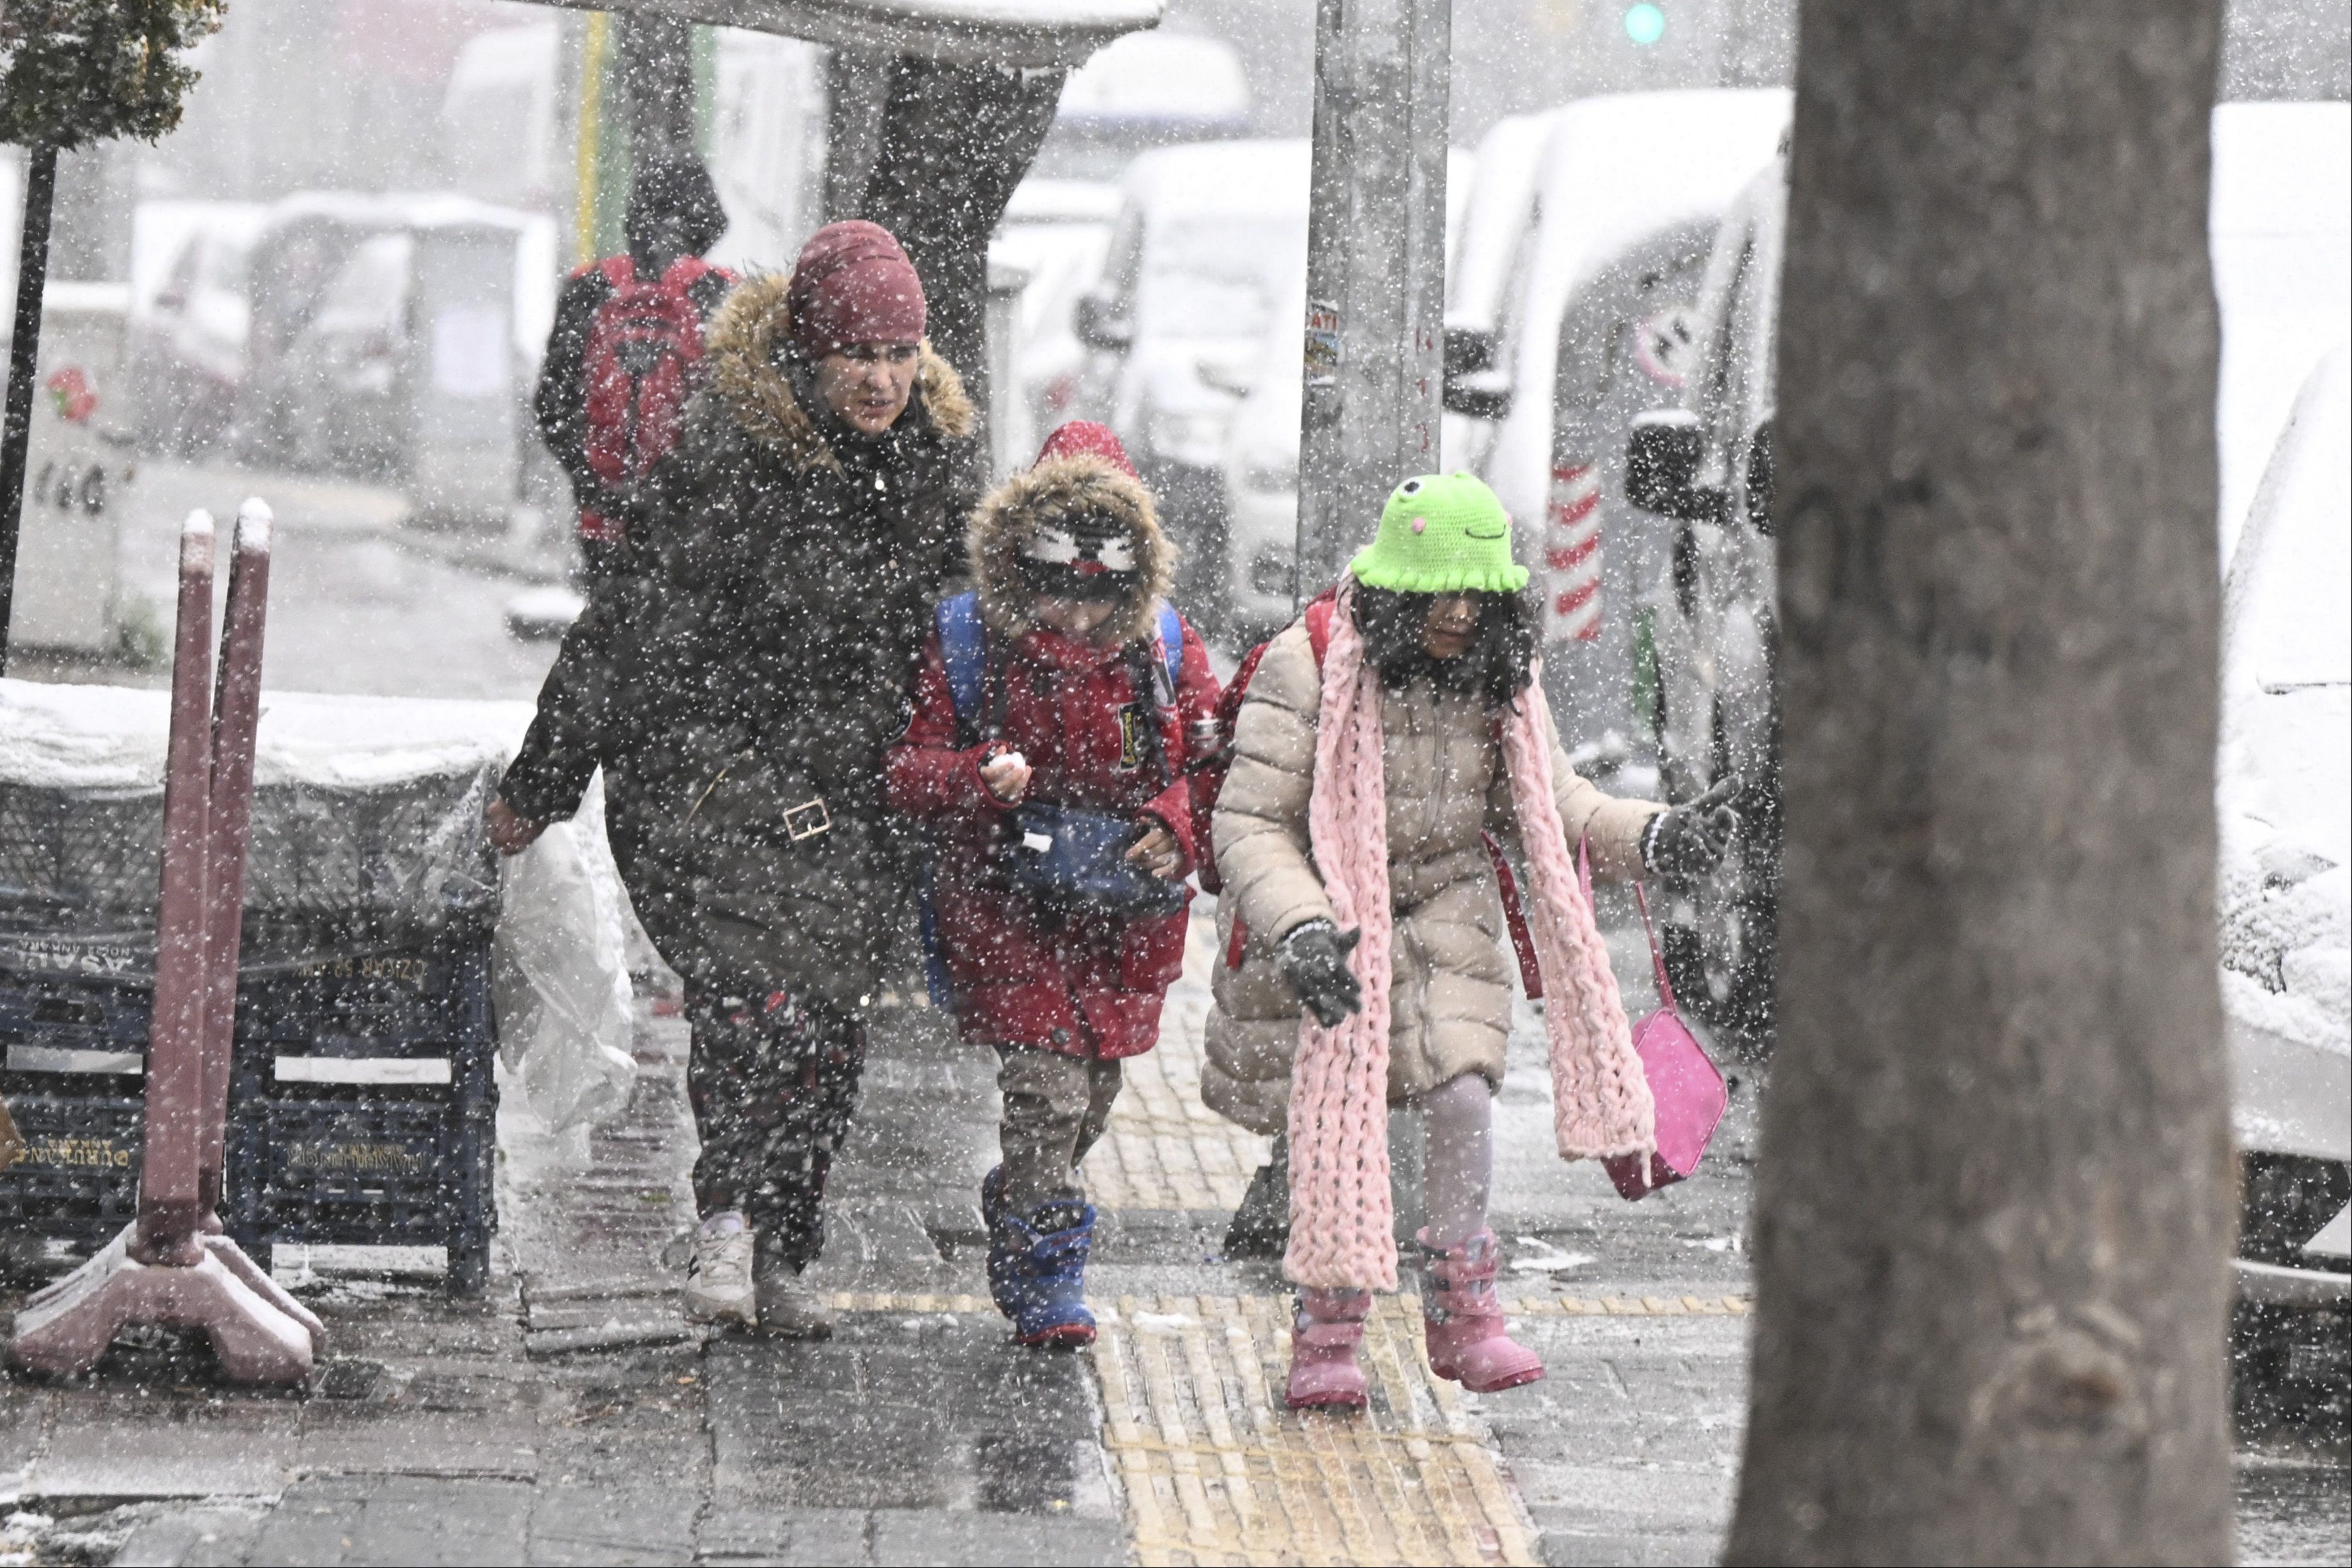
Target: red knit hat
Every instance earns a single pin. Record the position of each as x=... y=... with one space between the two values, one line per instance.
x=853 y=284
x=1085 y=436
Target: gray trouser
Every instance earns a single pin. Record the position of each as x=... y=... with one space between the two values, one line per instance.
x=1056 y=1108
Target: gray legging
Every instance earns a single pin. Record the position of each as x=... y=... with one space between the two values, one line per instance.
x=1457 y=1131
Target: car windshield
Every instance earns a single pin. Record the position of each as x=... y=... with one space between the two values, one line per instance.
x=1217 y=278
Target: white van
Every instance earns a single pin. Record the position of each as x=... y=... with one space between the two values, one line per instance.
x=1260 y=462
x=2281 y=232
x=1209 y=242
x=2285 y=804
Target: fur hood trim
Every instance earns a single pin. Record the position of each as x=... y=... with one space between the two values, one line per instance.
x=1067 y=487
x=747 y=326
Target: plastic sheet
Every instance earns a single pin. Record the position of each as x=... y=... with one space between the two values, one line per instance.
x=558 y=978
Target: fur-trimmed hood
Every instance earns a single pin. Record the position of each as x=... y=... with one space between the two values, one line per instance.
x=1057 y=491
x=737 y=346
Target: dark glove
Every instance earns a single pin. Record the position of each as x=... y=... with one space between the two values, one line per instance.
x=1691 y=839
x=1313 y=960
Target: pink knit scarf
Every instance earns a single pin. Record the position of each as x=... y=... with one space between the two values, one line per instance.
x=1342 y=1227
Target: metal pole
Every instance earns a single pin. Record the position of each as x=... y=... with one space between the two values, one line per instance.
x=1375 y=270
x=23 y=362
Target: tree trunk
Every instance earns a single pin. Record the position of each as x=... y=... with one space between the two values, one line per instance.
x=1995 y=1209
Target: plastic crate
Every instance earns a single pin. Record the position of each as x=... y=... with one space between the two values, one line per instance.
x=55 y=1024
x=355 y=993
x=394 y=1167
x=78 y=1180
x=362 y=1100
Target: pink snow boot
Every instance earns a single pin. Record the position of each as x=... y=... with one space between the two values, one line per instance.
x=1464 y=1320
x=1323 y=1340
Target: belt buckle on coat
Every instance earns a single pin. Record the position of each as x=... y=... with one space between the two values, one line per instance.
x=807 y=819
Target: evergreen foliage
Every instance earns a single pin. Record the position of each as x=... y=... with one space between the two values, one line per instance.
x=78 y=71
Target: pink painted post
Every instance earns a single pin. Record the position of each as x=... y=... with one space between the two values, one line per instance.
x=165 y=1268
x=236 y=714
x=170 y=1195
x=236 y=717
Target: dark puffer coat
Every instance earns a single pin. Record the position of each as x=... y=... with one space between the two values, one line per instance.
x=752 y=657
x=1083 y=985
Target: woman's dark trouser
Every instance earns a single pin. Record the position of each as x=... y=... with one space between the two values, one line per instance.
x=773 y=1081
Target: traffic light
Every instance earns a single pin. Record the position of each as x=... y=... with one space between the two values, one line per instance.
x=1645 y=24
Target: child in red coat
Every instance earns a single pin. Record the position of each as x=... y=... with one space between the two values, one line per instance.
x=1078 y=688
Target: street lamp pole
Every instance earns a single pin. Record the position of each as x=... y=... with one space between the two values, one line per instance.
x=1375 y=329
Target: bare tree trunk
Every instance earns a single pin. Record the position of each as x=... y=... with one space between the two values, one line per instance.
x=1995 y=1206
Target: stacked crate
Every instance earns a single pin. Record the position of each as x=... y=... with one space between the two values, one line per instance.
x=363 y=1102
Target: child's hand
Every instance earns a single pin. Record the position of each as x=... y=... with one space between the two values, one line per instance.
x=1006 y=774
x=1157 y=852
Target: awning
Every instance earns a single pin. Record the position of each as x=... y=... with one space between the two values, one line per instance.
x=979 y=32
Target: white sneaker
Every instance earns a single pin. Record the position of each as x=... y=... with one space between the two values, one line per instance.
x=719 y=1280
x=789 y=1309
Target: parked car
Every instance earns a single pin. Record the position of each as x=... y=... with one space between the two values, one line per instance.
x=1208 y=242
x=2280 y=227
x=2281 y=233
x=185 y=347
x=1056 y=233
x=1259 y=466
x=1497 y=229
x=2285 y=801
x=412 y=360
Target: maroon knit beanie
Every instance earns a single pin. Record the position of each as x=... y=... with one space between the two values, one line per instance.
x=854 y=284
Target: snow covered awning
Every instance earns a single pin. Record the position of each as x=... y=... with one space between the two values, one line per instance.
x=978 y=32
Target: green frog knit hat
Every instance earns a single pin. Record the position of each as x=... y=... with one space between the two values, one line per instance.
x=1442 y=533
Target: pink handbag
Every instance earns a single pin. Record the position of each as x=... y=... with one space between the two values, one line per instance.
x=1684 y=1085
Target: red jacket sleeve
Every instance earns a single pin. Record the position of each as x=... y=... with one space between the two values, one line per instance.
x=1197 y=691
x=924 y=774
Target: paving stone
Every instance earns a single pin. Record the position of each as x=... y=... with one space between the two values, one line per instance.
x=920 y=1538
x=190 y=1538
x=819 y=1537
x=1568 y=1545
x=373 y=1440
x=24 y=1419
x=116 y=1444
x=591 y=1524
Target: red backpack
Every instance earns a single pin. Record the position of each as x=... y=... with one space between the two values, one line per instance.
x=1209 y=782
x=1209 y=777
x=643 y=343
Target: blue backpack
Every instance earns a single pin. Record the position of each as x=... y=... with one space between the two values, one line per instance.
x=963 y=648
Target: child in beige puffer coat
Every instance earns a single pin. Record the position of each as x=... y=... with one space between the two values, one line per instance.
x=1359 y=889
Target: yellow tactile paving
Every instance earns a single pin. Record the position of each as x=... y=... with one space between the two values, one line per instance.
x=1524 y=1306
x=1215 y=1471
x=1165 y=1149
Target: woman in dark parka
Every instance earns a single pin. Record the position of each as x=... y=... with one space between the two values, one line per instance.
x=737 y=683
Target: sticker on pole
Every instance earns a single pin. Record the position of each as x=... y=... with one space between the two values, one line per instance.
x=1322 y=363
x=1665 y=344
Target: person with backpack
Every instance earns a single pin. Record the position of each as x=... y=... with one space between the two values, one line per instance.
x=1047 y=758
x=737 y=679
x=622 y=356
x=1388 y=749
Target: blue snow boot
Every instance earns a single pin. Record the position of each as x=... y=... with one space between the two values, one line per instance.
x=1000 y=1242
x=1044 y=1290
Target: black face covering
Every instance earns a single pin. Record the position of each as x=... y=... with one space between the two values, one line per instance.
x=1049 y=580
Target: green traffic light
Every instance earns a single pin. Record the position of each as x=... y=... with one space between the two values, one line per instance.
x=1645 y=23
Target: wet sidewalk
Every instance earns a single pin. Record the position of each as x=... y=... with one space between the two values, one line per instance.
x=573 y=1417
